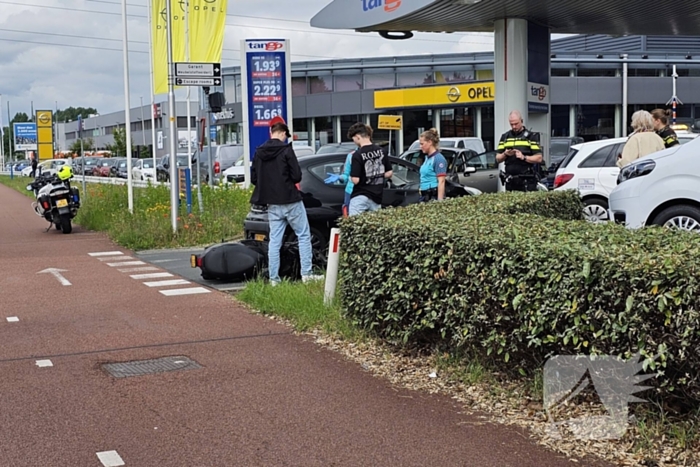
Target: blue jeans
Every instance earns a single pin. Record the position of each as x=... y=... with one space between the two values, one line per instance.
x=294 y=215
x=360 y=204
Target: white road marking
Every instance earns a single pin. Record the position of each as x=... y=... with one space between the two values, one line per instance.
x=44 y=363
x=57 y=274
x=13 y=319
x=167 y=283
x=106 y=253
x=189 y=291
x=126 y=263
x=155 y=275
x=164 y=260
x=110 y=459
x=116 y=258
x=144 y=269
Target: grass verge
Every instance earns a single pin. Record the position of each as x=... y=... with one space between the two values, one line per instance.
x=654 y=438
x=105 y=209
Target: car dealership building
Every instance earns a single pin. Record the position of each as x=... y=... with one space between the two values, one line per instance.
x=592 y=78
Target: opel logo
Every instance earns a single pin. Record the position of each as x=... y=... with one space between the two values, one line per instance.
x=44 y=118
x=453 y=94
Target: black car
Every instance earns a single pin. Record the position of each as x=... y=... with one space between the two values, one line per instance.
x=559 y=147
x=163 y=167
x=324 y=202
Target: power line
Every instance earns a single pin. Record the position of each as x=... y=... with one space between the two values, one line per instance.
x=70 y=45
x=34 y=33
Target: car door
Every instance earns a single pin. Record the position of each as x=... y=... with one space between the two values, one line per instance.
x=607 y=176
x=588 y=172
x=404 y=186
x=331 y=195
x=486 y=176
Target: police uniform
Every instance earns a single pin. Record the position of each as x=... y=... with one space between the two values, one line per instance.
x=669 y=136
x=520 y=175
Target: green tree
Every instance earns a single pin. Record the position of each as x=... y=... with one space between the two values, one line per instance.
x=118 y=149
x=88 y=145
x=71 y=113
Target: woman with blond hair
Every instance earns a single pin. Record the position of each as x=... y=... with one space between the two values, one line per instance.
x=433 y=170
x=642 y=141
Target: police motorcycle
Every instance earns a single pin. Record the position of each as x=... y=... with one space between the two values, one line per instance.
x=56 y=200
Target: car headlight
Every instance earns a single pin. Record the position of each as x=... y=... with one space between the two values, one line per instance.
x=636 y=169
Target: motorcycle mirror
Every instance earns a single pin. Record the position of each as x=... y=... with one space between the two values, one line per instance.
x=29 y=188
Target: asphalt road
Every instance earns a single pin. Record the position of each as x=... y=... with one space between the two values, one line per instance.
x=178 y=262
x=259 y=396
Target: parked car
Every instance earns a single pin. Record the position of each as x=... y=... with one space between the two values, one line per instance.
x=400 y=190
x=163 y=167
x=120 y=167
x=143 y=170
x=485 y=179
x=473 y=143
x=90 y=163
x=591 y=169
x=105 y=167
x=46 y=167
x=335 y=148
x=660 y=189
x=223 y=157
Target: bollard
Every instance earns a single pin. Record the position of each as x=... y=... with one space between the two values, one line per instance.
x=332 y=268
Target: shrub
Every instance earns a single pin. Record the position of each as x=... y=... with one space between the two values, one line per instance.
x=105 y=208
x=521 y=277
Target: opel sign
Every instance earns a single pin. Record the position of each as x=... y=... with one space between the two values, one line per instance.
x=454 y=94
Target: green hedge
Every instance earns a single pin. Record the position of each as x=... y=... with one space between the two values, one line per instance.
x=522 y=277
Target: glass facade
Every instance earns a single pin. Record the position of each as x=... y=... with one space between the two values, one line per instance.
x=561 y=122
x=457 y=122
x=594 y=122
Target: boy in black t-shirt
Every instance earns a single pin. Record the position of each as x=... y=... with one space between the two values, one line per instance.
x=369 y=168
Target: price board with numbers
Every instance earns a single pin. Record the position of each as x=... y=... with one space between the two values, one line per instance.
x=266 y=88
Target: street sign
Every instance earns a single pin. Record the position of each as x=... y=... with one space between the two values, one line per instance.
x=197 y=70
x=198 y=81
x=390 y=122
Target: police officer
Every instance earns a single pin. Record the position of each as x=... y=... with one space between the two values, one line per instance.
x=662 y=129
x=520 y=149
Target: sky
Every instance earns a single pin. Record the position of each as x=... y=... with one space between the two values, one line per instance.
x=70 y=51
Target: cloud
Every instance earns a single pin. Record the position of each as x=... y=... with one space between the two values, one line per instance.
x=69 y=51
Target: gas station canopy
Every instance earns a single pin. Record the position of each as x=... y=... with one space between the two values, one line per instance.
x=612 y=17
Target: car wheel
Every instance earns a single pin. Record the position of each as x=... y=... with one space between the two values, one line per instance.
x=595 y=210
x=682 y=217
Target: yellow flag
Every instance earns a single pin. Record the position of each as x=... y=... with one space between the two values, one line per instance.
x=207 y=21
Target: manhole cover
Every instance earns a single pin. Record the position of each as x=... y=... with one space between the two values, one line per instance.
x=149 y=367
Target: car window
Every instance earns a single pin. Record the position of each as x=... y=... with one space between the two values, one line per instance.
x=568 y=158
x=611 y=161
x=416 y=157
x=404 y=176
x=598 y=158
x=449 y=144
x=559 y=148
x=322 y=170
x=122 y=164
x=483 y=161
x=685 y=139
x=147 y=164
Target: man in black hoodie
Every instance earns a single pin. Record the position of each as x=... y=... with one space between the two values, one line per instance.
x=275 y=172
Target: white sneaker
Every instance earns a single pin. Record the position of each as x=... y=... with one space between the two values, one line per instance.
x=312 y=278
x=274 y=283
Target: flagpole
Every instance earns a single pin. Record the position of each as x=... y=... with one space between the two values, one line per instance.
x=189 y=117
x=2 y=138
x=153 y=97
x=174 y=191
x=127 y=111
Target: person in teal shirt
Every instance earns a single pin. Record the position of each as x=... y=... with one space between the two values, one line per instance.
x=434 y=168
x=344 y=178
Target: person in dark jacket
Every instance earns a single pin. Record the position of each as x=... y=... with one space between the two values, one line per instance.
x=275 y=172
x=662 y=129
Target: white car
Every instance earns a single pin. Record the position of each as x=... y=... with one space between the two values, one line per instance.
x=660 y=189
x=46 y=167
x=143 y=170
x=475 y=144
x=235 y=173
x=591 y=169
